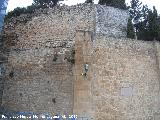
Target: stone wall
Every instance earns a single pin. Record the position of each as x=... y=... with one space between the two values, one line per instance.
x=39 y=74
x=83 y=105
x=51 y=28
x=122 y=82
x=126 y=80
x=47 y=54
x=38 y=81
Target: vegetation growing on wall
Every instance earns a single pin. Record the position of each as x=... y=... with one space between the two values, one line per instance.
x=71 y=57
x=18 y=11
x=55 y=57
x=30 y=9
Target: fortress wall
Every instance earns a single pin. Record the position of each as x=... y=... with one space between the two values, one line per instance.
x=39 y=72
x=52 y=27
x=157 y=48
x=125 y=79
x=83 y=106
x=36 y=82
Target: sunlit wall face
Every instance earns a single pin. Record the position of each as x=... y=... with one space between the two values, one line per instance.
x=3 y=7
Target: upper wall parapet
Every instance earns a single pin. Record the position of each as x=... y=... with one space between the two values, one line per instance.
x=63 y=22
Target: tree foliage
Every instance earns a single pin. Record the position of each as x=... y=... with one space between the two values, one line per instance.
x=18 y=11
x=89 y=1
x=135 y=10
x=114 y=3
x=130 y=29
x=153 y=25
x=30 y=9
x=144 y=20
x=45 y=3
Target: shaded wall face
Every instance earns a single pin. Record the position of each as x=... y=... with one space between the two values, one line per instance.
x=38 y=82
x=39 y=76
x=83 y=106
x=40 y=73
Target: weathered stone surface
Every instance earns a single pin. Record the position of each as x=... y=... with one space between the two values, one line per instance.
x=36 y=83
x=128 y=64
x=42 y=76
x=111 y=21
x=122 y=82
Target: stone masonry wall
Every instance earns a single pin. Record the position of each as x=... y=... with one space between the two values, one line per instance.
x=39 y=75
x=125 y=80
x=46 y=62
x=122 y=82
x=38 y=81
x=83 y=105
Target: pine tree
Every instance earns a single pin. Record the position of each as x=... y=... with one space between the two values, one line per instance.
x=104 y=2
x=138 y=14
x=130 y=29
x=153 y=25
x=114 y=3
x=135 y=11
x=158 y=21
x=46 y=3
x=89 y=1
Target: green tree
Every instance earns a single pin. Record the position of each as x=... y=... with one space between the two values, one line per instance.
x=153 y=25
x=130 y=29
x=46 y=3
x=146 y=22
x=139 y=17
x=30 y=9
x=142 y=30
x=89 y=1
x=104 y=2
x=158 y=20
x=135 y=11
x=114 y=3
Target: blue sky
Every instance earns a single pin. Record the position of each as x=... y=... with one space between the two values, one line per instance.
x=23 y=3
